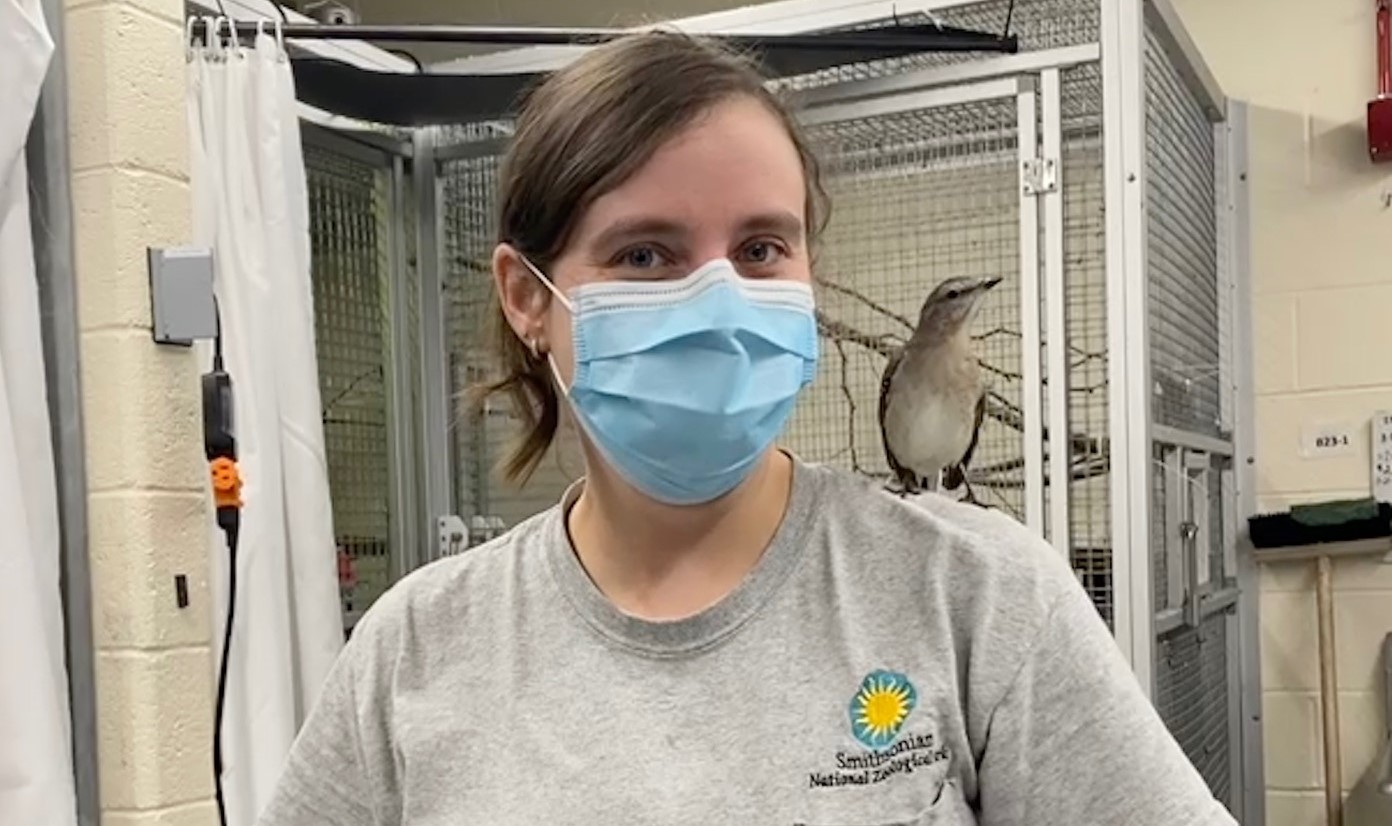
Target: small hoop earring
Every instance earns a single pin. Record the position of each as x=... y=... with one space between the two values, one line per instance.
x=532 y=345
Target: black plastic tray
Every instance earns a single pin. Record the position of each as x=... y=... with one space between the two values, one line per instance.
x=1280 y=530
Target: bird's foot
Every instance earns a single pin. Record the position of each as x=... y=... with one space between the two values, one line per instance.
x=970 y=498
x=907 y=488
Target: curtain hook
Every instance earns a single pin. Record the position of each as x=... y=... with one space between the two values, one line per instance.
x=280 y=38
x=188 y=37
x=260 y=29
x=210 y=29
x=234 y=40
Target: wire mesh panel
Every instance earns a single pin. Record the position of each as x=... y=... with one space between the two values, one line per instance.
x=1190 y=342
x=1225 y=223
x=1182 y=251
x=1226 y=218
x=1038 y=24
x=1192 y=697
x=409 y=362
x=1194 y=674
x=481 y=435
x=1166 y=479
x=348 y=210
x=917 y=197
x=1085 y=285
x=922 y=196
x=1220 y=512
x=467 y=206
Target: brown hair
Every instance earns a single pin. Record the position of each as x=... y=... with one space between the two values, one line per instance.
x=580 y=134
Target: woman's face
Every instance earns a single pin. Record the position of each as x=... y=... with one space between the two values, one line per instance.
x=730 y=186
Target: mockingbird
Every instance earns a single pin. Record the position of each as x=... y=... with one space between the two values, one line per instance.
x=931 y=395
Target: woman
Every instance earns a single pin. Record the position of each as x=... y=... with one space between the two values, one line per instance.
x=707 y=630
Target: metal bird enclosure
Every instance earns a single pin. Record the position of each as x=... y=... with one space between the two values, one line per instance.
x=1099 y=173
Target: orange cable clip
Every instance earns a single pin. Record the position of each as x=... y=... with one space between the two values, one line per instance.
x=227 y=482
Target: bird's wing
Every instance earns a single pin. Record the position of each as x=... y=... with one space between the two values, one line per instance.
x=957 y=474
x=886 y=382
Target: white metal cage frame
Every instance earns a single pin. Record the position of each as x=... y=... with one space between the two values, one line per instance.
x=1100 y=170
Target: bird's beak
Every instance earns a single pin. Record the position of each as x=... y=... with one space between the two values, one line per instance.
x=987 y=283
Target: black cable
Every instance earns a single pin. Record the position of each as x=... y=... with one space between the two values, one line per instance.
x=1009 y=13
x=220 y=446
x=217 y=336
x=230 y=523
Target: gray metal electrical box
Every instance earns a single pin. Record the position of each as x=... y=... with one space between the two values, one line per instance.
x=181 y=294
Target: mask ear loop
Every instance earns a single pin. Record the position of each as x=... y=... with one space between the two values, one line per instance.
x=560 y=296
x=531 y=342
x=556 y=373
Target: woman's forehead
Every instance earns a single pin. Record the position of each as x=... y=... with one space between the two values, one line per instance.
x=735 y=165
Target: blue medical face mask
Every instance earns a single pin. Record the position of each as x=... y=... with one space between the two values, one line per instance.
x=682 y=385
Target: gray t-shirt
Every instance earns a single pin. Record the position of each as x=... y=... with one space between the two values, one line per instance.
x=885 y=663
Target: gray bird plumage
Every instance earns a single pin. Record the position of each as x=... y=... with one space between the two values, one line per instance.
x=932 y=398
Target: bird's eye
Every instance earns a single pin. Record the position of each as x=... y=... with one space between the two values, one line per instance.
x=952 y=294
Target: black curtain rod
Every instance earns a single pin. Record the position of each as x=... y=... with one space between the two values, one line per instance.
x=934 y=39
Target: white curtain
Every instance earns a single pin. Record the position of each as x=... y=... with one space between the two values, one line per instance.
x=36 y=781
x=251 y=208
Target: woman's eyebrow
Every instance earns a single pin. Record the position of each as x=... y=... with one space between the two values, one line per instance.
x=781 y=222
x=633 y=229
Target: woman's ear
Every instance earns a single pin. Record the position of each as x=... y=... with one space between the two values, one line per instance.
x=524 y=298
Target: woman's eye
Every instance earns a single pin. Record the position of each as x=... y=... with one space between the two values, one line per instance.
x=761 y=252
x=641 y=258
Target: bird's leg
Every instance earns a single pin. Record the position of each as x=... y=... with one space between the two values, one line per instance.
x=908 y=484
x=970 y=498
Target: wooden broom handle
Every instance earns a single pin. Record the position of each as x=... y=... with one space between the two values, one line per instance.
x=1329 y=695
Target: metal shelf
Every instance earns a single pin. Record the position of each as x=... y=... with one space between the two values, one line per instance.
x=1378 y=546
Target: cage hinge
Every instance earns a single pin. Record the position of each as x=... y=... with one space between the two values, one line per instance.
x=1040 y=175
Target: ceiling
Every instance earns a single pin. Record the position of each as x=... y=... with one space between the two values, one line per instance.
x=562 y=13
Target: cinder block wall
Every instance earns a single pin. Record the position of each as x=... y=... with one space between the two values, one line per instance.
x=1321 y=232
x=146 y=473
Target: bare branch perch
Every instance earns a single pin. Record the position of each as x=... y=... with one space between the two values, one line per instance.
x=1089 y=453
x=839 y=331
x=850 y=406
x=997 y=407
x=853 y=293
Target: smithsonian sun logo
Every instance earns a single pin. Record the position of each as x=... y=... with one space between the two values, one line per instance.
x=879 y=709
x=878 y=712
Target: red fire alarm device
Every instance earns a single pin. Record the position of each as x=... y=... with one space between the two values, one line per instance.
x=1380 y=107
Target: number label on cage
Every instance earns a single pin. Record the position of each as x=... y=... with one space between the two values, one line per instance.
x=1326 y=440
x=1382 y=455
